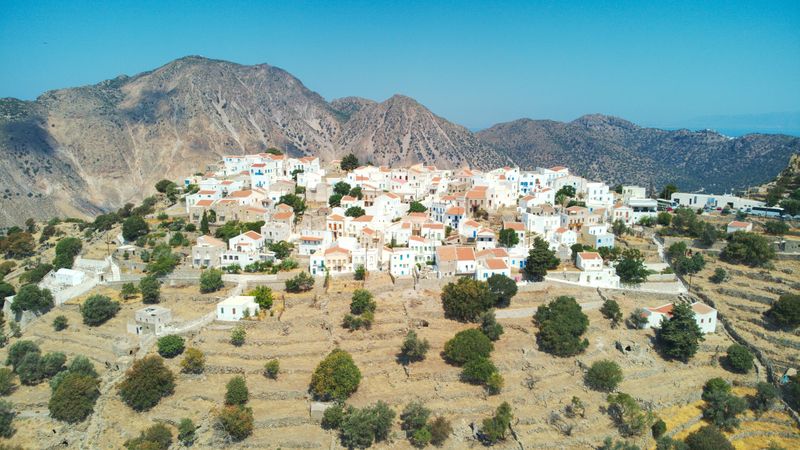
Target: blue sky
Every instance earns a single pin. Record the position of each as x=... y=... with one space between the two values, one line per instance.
x=475 y=63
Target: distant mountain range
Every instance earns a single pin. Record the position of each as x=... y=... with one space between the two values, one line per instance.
x=84 y=150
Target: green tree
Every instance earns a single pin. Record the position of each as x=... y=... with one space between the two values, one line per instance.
x=211 y=281
x=150 y=288
x=194 y=361
x=604 y=375
x=786 y=311
x=66 y=251
x=747 y=248
x=630 y=268
x=271 y=369
x=74 y=397
x=416 y=207
x=561 y=326
x=360 y=273
x=170 y=346
x=466 y=299
x=349 y=162
x=359 y=428
x=7 y=414
x=238 y=335
x=362 y=302
x=6 y=381
x=679 y=336
x=413 y=348
x=235 y=422
x=236 y=391
x=658 y=429
x=611 y=311
x=503 y=288
x=664 y=218
x=263 y=296
x=341 y=188
x=619 y=228
x=354 y=211
x=739 y=358
x=467 y=345
x=301 y=282
x=667 y=192
x=508 y=238
x=629 y=417
x=540 y=260
x=31 y=298
x=336 y=377
x=297 y=203
x=128 y=291
x=495 y=428
x=282 y=249
x=719 y=275
x=335 y=200
x=134 y=227
x=776 y=227
x=146 y=383
x=489 y=325
x=722 y=406
x=163 y=185
x=162 y=261
x=98 y=309
x=708 y=438
x=764 y=398
x=568 y=191
x=478 y=370
x=204 y=229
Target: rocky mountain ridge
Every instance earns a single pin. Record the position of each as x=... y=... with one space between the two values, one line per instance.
x=80 y=151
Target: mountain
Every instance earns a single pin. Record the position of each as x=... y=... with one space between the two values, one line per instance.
x=84 y=150
x=617 y=151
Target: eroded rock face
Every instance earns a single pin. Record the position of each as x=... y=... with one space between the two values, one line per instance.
x=84 y=150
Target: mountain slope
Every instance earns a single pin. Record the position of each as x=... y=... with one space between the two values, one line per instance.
x=83 y=150
x=618 y=151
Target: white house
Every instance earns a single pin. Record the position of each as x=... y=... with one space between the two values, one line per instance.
x=453 y=260
x=713 y=201
x=594 y=273
x=233 y=308
x=69 y=277
x=704 y=315
x=491 y=266
x=739 y=226
x=401 y=261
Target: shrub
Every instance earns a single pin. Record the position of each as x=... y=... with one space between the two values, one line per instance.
x=156 y=437
x=611 y=311
x=302 y=282
x=333 y=416
x=561 y=325
x=74 y=397
x=467 y=345
x=81 y=365
x=236 y=391
x=18 y=350
x=414 y=416
x=238 y=335
x=211 y=281
x=786 y=311
x=271 y=369
x=336 y=377
x=495 y=383
x=360 y=273
x=51 y=364
x=658 y=429
x=637 y=320
x=170 y=346
x=421 y=437
x=98 y=309
x=747 y=248
x=489 y=325
x=7 y=415
x=440 y=430
x=495 y=428
x=478 y=370
x=235 y=421
x=194 y=361
x=60 y=323
x=146 y=383
x=776 y=227
x=739 y=358
x=604 y=375
x=628 y=415
x=352 y=322
x=186 y=432
x=708 y=438
x=31 y=298
x=263 y=296
x=36 y=274
x=361 y=427
x=362 y=302
x=6 y=381
x=722 y=406
x=764 y=397
x=29 y=369
x=719 y=275
x=466 y=300
x=413 y=348
x=680 y=336
x=151 y=290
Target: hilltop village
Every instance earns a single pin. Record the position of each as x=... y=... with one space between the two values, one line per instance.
x=275 y=301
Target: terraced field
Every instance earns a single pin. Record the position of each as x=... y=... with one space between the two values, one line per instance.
x=308 y=326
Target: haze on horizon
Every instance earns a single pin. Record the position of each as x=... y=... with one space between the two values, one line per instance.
x=733 y=66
